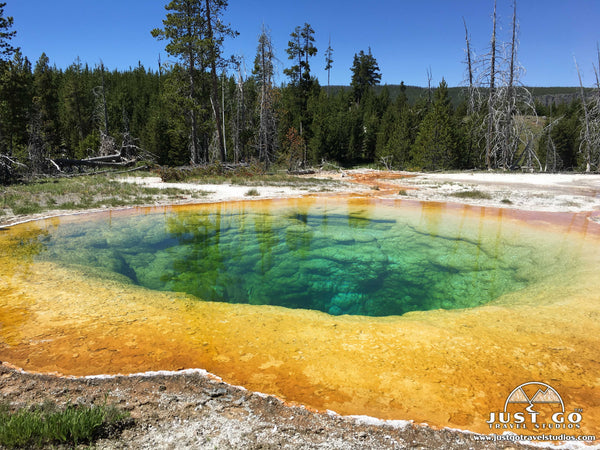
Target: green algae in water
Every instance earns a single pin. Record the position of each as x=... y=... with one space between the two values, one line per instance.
x=365 y=260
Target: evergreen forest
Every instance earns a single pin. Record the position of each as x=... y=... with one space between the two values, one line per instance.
x=204 y=108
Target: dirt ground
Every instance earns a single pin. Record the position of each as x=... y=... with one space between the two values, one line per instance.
x=193 y=409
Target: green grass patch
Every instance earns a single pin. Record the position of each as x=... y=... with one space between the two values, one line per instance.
x=79 y=193
x=100 y=191
x=252 y=193
x=506 y=201
x=210 y=171
x=25 y=206
x=47 y=424
x=474 y=194
x=253 y=175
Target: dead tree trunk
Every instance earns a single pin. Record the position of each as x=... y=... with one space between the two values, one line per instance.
x=474 y=105
x=105 y=107
x=492 y=89
x=511 y=139
x=8 y=169
x=509 y=133
x=429 y=78
x=585 y=146
x=469 y=69
x=36 y=148
x=239 y=105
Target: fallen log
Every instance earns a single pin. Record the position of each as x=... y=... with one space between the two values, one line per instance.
x=66 y=162
x=109 y=158
x=301 y=172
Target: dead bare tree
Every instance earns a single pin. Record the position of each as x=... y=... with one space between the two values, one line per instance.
x=470 y=71
x=586 y=145
x=240 y=115
x=590 y=134
x=516 y=104
x=107 y=143
x=508 y=128
x=501 y=111
x=477 y=125
x=490 y=120
x=9 y=168
x=37 y=150
x=104 y=103
x=429 y=78
x=553 y=159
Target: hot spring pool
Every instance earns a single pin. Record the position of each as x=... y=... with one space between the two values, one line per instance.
x=356 y=258
x=395 y=309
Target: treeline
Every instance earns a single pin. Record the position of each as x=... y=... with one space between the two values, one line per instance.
x=73 y=107
x=204 y=108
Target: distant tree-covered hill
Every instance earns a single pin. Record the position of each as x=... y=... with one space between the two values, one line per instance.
x=546 y=96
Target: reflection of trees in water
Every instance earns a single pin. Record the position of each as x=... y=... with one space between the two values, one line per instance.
x=230 y=255
x=247 y=256
x=197 y=260
x=341 y=263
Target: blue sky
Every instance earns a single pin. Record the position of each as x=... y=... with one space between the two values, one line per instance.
x=406 y=37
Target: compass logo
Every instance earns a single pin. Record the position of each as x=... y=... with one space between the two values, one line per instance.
x=535 y=406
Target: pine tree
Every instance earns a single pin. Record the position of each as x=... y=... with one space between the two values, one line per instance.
x=16 y=92
x=330 y=128
x=45 y=83
x=389 y=122
x=294 y=52
x=300 y=49
x=184 y=30
x=195 y=34
x=302 y=85
x=6 y=52
x=309 y=50
x=264 y=70
x=75 y=109
x=436 y=144
x=6 y=23
x=365 y=74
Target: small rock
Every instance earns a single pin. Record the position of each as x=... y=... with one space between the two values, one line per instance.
x=214 y=393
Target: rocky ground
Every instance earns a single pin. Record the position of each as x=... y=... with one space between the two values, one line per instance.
x=192 y=409
x=531 y=192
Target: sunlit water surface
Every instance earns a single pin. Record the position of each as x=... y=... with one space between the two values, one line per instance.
x=466 y=302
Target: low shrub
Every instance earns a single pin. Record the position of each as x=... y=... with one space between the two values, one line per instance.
x=474 y=194
x=252 y=193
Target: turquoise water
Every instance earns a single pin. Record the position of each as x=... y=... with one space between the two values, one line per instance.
x=350 y=258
